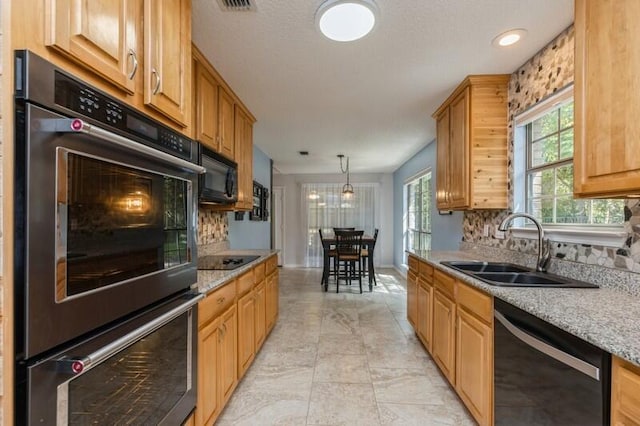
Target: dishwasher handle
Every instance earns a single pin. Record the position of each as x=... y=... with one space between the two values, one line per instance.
x=555 y=353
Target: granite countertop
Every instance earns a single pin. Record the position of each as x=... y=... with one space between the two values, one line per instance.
x=210 y=280
x=606 y=317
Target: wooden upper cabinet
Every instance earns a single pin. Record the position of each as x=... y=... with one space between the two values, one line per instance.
x=472 y=145
x=244 y=158
x=607 y=69
x=226 y=129
x=206 y=114
x=101 y=35
x=167 y=73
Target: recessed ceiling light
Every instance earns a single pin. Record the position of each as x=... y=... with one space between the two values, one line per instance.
x=346 y=20
x=510 y=37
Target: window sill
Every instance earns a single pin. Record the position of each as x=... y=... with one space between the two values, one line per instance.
x=607 y=237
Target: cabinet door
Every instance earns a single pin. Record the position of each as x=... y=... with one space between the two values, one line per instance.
x=260 y=317
x=474 y=366
x=272 y=300
x=458 y=162
x=442 y=157
x=167 y=39
x=244 y=158
x=206 y=98
x=208 y=405
x=228 y=355
x=425 y=292
x=412 y=299
x=246 y=332
x=99 y=34
x=443 y=345
x=607 y=65
x=226 y=129
x=625 y=393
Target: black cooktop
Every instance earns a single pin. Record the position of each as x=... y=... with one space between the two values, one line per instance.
x=224 y=262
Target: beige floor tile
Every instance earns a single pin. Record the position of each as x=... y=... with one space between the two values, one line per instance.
x=406 y=386
x=423 y=415
x=338 y=368
x=342 y=404
x=338 y=344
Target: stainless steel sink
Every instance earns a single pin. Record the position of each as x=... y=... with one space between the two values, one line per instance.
x=485 y=266
x=510 y=275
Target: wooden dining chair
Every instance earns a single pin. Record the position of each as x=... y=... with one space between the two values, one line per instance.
x=365 y=258
x=348 y=257
x=343 y=229
x=329 y=254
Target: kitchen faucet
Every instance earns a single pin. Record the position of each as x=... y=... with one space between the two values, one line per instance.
x=544 y=252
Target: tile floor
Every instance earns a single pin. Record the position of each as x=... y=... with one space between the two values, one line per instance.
x=343 y=359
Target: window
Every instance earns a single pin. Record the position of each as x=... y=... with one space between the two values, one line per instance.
x=418 y=213
x=543 y=159
x=325 y=208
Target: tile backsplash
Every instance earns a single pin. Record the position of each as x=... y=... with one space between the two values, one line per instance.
x=213 y=227
x=546 y=72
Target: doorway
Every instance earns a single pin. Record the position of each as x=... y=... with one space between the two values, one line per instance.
x=278 y=222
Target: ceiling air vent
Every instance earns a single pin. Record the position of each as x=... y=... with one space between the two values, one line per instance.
x=237 y=5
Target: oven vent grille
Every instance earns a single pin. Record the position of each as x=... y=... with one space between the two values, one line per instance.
x=237 y=5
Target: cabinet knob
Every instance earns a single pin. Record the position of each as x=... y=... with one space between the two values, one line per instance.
x=157 y=86
x=134 y=60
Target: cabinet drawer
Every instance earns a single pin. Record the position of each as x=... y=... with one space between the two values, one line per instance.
x=216 y=303
x=413 y=264
x=445 y=283
x=272 y=264
x=245 y=283
x=476 y=302
x=426 y=271
x=258 y=273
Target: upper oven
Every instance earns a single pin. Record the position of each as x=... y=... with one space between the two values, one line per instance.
x=105 y=208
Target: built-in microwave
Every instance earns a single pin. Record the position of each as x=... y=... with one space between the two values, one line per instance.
x=219 y=184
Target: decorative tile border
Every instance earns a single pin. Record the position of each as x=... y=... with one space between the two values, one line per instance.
x=213 y=227
x=545 y=73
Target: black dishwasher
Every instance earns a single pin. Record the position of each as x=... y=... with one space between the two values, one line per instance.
x=546 y=376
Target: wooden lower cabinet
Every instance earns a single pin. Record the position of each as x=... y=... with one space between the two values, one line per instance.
x=260 y=315
x=424 y=314
x=455 y=322
x=228 y=354
x=272 y=294
x=246 y=332
x=443 y=346
x=412 y=299
x=474 y=365
x=625 y=393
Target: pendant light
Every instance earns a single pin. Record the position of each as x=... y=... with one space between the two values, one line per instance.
x=347 y=188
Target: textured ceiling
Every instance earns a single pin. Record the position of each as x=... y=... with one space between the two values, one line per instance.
x=371 y=99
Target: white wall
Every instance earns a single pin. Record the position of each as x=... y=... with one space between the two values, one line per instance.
x=294 y=250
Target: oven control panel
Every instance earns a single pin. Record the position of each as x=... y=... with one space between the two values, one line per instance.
x=91 y=103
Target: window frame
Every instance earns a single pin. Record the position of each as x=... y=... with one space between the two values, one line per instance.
x=406 y=209
x=607 y=235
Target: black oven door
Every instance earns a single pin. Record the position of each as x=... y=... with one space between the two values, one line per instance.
x=140 y=372
x=107 y=230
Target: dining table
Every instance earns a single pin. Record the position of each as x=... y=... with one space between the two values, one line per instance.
x=329 y=239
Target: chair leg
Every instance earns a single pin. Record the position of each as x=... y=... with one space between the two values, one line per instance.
x=360 y=276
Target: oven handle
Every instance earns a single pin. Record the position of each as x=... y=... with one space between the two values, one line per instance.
x=76 y=125
x=565 y=358
x=81 y=364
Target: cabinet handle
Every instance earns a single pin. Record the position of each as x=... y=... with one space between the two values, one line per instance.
x=221 y=300
x=134 y=60
x=157 y=74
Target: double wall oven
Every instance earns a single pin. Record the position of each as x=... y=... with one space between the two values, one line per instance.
x=105 y=257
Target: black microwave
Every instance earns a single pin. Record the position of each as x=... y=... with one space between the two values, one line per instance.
x=219 y=185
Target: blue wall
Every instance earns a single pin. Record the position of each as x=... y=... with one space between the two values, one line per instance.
x=248 y=234
x=446 y=231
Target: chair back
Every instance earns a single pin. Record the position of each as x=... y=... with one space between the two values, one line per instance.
x=375 y=237
x=349 y=243
x=343 y=229
x=325 y=245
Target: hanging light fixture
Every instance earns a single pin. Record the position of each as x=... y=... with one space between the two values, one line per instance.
x=347 y=188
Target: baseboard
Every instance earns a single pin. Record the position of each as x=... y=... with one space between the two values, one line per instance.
x=402 y=270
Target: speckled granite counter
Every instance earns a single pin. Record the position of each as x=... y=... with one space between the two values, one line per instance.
x=606 y=317
x=210 y=280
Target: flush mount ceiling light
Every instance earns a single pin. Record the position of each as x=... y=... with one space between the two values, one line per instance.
x=346 y=20
x=508 y=38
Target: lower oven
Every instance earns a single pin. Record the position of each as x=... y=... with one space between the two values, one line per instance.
x=139 y=372
x=546 y=376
